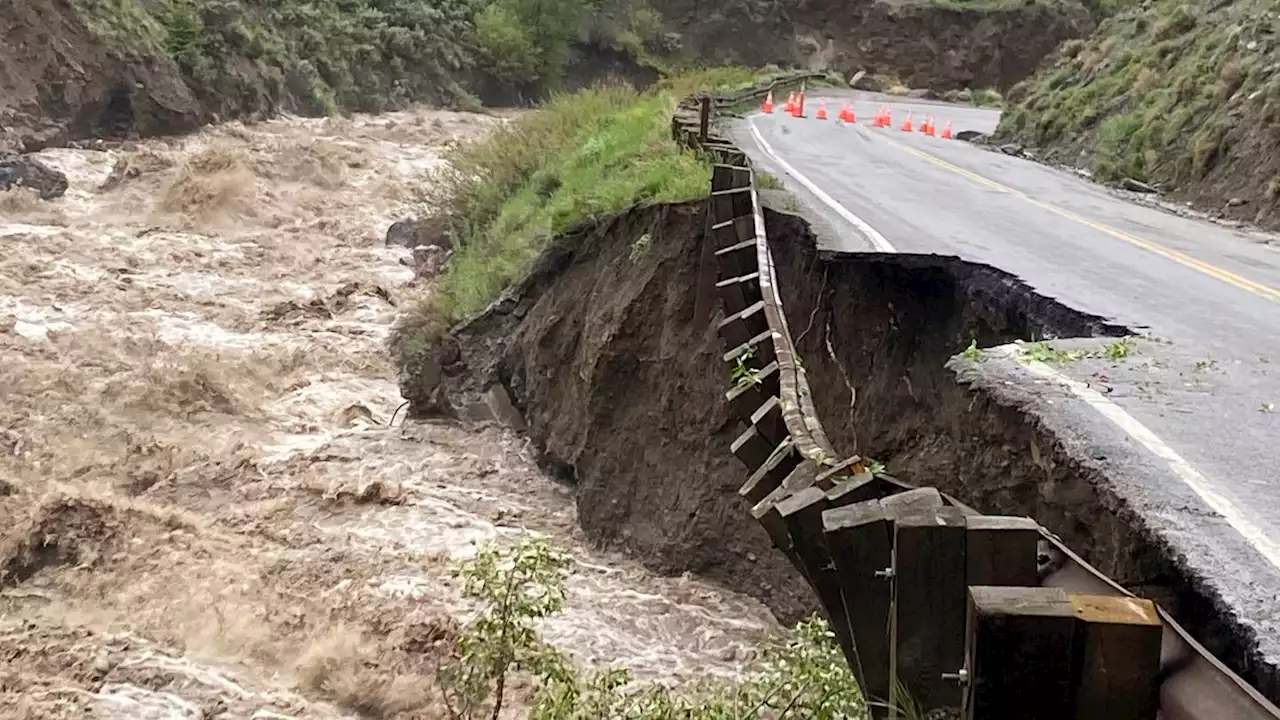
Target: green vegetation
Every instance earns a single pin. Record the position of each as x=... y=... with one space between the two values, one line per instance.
x=1044 y=351
x=1169 y=93
x=588 y=153
x=806 y=677
x=367 y=54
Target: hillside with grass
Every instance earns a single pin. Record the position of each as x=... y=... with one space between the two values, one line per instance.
x=1182 y=96
x=76 y=68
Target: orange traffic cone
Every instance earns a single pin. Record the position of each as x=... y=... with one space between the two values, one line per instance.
x=822 y=110
x=767 y=107
x=799 y=104
x=886 y=117
x=946 y=131
x=790 y=107
x=846 y=114
x=906 y=124
x=929 y=127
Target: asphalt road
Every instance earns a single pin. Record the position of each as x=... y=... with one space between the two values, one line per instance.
x=1193 y=406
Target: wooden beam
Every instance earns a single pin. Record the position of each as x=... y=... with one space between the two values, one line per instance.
x=929 y=603
x=1001 y=550
x=859 y=537
x=1117 y=657
x=1018 y=650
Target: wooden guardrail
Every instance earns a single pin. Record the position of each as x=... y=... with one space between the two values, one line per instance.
x=931 y=601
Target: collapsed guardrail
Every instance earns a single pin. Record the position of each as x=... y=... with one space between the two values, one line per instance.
x=928 y=598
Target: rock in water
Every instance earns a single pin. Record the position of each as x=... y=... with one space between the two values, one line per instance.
x=29 y=172
x=413 y=232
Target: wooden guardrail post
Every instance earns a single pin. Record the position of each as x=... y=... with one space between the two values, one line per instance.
x=704 y=118
x=929 y=606
x=1036 y=653
x=1117 y=657
x=1018 y=645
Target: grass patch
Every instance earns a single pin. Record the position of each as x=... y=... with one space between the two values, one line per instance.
x=587 y=153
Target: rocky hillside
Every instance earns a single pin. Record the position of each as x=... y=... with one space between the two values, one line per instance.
x=939 y=44
x=78 y=68
x=1182 y=96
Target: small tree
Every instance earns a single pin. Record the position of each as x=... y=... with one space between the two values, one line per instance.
x=515 y=587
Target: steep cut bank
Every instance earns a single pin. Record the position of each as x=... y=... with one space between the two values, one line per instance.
x=609 y=349
x=937 y=44
x=893 y=328
x=1182 y=96
x=73 y=69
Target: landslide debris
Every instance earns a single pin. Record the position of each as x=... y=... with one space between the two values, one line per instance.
x=1181 y=96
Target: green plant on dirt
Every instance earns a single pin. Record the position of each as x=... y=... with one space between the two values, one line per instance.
x=766 y=181
x=972 y=353
x=515 y=587
x=804 y=677
x=1118 y=349
x=742 y=374
x=1043 y=351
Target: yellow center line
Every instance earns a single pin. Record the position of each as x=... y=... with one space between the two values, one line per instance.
x=1214 y=271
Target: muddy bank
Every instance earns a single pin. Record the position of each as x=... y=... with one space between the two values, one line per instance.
x=609 y=349
x=893 y=328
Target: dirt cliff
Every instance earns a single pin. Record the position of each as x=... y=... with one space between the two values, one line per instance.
x=939 y=44
x=609 y=348
x=1182 y=96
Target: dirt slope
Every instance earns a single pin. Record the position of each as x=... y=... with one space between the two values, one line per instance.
x=938 y=45
x=610 y=350
x=1184 y=96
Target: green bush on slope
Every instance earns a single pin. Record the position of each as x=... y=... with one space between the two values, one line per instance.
x=1165 y=93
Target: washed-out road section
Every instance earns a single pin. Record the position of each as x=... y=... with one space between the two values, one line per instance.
x=1196 y=402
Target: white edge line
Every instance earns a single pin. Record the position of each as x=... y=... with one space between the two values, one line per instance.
x=877 y=240
x=1136 y=430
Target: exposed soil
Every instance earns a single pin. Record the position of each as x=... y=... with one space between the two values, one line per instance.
x=609 y=348
x=943 y=46
x=206 y=507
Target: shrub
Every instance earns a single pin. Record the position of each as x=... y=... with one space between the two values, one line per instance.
x=806 y=677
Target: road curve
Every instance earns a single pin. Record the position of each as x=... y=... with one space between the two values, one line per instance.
x=1192 y=405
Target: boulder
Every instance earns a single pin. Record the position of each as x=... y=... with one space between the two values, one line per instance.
x=26 y=171
x=922 y=94
x=862 y=81
x=973 y=136
x=415 y=232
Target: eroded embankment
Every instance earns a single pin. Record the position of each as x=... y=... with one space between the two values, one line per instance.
x=609 y=350
x=890 y=327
